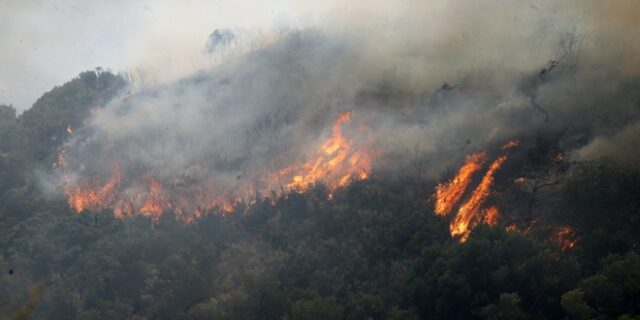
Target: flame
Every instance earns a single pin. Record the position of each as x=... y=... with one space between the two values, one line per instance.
x=337 y=162
x=471 y=212
x=511 y=144
x=69 y=130
x=512 y=228
x=566 y=237
x=468 y=215
x=93 y=195
x=150 y=197
x=448 y=194
x=155 y=203
x=491 y=216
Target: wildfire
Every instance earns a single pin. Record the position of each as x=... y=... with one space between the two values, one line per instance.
x=448 y=194
x=69 y=130
x=336 y=163
x=512 y=228
x=491 y=216
x=93 y=196
x=155 y=204
x=471 y=212
x=566 y=237
x=511 y=144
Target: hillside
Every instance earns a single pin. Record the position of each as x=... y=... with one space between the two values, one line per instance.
x=565 y=244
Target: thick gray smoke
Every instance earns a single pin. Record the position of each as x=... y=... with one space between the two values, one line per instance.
x=433 y=83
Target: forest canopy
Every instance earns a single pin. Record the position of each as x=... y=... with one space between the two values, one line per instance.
x=373 y=249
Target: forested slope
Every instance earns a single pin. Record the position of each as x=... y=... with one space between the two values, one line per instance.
x=371 y=250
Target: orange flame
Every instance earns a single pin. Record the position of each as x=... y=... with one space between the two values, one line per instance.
x=491 y=216
x=511 y=228
x=93 y=196
x=566 y=237
x=155 y=204
x=511 y=144
x=469 y=213
x=69 y=130
x=336 y=163
x=448 y=194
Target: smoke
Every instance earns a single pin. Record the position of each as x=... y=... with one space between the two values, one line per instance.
x=622 y=146
x=431 y=80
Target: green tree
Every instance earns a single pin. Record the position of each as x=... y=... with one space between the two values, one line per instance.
x=67 y=105
x=507 y=308
x=609 y=294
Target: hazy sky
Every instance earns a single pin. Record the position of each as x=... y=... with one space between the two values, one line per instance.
x=46 y=43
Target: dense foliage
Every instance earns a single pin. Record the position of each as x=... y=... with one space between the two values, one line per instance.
x=374 y=250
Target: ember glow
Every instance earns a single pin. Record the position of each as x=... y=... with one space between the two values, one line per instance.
x=511 y=228
x=566 y=237
x=511 y=144
x=336 y=163
x=491 y=216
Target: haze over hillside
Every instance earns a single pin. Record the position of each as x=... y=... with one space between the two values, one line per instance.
x=361 y=160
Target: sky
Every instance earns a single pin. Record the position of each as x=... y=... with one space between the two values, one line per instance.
x=46 y=43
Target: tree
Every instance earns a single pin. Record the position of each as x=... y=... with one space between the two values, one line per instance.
x=12 y=149
x=507 y=308
x=68 y=105
x=609 y=294
x=544 y=168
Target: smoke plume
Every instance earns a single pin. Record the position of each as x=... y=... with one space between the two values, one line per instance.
x=431 y=80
